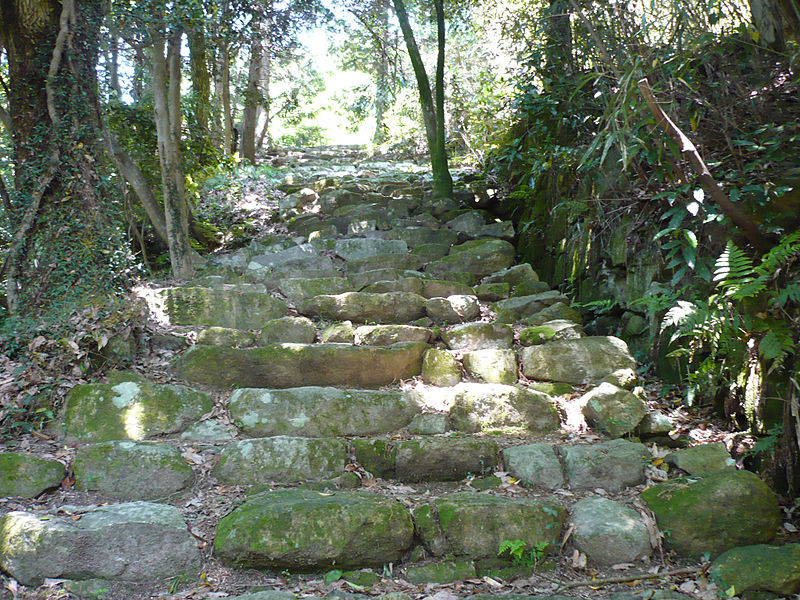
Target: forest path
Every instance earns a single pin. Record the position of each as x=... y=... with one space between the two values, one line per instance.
x=380 y=398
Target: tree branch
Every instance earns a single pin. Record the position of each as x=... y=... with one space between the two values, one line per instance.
x=67 y=21
x=611 y=580
x=690 y=153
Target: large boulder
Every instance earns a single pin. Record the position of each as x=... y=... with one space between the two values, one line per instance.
x=362 y=307
x=131 y=410
x=609 y=532
x=307 y=531
x=296 y=365
x=237 y=307
x=715 y=512
x=612 y=410
x=131 y=470
x=280 y=458
x=26 y=476
x=612 y=465
x=478 y=257
x=494 y=407
x=137 y=542
x=474 y=525
x=758 y=568
x=320 y=411
x=578 y=361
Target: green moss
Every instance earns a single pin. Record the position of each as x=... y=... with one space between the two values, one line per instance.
x=27 y=476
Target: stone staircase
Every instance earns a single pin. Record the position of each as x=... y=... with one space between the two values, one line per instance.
x=388 y=395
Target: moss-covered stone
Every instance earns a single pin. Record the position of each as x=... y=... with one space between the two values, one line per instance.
x=714 y=513
x=25 y=476
x=280 y=458
x=758 y=568
x=131 y=470
x=287 y=330
x=386 y=335
x=478 y=257
x=298 y=289
x=580 y=361
x=376 y=455
x=492 y=292
x=361 y=307
x=492 y=365
x=320 y=411
x=429 y=424
x=557 y=311
x=226 y=337
x=493 y=407
x=441 y=572
x=438 y=288
x=552 y=330
x=552 y=389
x=431 y=252
x=295 y=365
x=132 y=542
x=444 y=458
x=131 y=410
x=338 y=333
x=440 y=368
x=612 y=410
x=412 y=285
x=513 y=276
x=518 y=308
x=453 y=309
x=364 y=579
x=474 y=525
x=306 y=531
x=478 y=336
x=612 y=465
x=535 y=464
x=702 y=459
x=530 y=288
x=236 y=307
x=402 y=262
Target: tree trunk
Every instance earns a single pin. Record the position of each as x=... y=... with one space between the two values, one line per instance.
x=252 y=99
x=225 y=96
x=382 y=82
x=768 y=22
x=166 y=81
x=432 y=114
x=266 y=104
x=65 y=247
x=201 y=83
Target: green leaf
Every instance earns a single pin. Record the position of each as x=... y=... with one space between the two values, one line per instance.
x=332 y=576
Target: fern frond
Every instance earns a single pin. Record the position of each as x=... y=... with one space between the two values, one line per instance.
x=733 y=270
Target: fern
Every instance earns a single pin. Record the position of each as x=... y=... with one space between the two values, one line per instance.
x=734 y=271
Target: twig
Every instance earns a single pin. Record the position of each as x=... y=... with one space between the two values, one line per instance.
x=610 y=580
x=689 y=151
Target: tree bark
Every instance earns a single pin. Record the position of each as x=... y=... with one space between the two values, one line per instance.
x=382 y=82
x=201 y=82
x=768 y=22
x=165 y=82
x=252 y=99
x=432 y=118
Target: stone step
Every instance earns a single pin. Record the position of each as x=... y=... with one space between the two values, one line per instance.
x=134 y=542
x=298 y=365
x=237 y=307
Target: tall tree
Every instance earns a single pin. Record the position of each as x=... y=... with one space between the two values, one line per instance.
x=66 y=243
x=431 y=100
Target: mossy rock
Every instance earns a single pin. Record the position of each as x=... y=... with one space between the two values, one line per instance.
x=296 y=365
x=235 y=307
x=441 y=572
x=494 y=407
x=307 y=531
x=478 y=257
x=714 y=513
x=362 y=307
x=377 y=456
x=444 y=458
x=758 y=568
x=25 y=476
x=226 y=337
x=474 y=525
x=130 y=410
x=440 y=368
x=578 y=361
x=287 y=330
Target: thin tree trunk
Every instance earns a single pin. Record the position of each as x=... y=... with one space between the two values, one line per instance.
x=252 y=99
x=201 y=80
x=113 y=66
x=266 y=103
x=225 y=83
x=175 y=208
x=382 y=83
x=434 y=124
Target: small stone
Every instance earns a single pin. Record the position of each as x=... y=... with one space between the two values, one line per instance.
x=609 y=532
x=440 y=368
x=492 y=365
x=429 y=424
x=446 y=572
x=622 y=378
x=288 y=330
x=363 y=579
x=492 y=292
x=226 y=337
x=339 y=333
x=612 y=410
x=478 y=336
x=25 y=476
x=453 y=309
x=702 y=459
x=535 y=464
x=552 y=330
x=655 y=423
